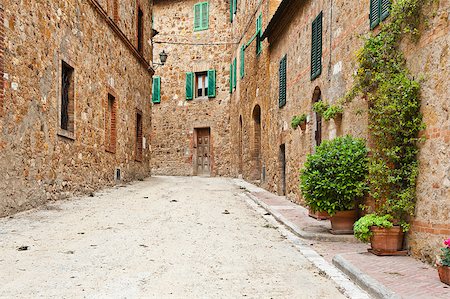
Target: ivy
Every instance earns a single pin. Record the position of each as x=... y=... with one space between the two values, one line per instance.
x=394 y=113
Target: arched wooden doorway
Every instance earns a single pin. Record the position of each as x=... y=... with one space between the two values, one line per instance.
x=317 y=120
x=257 y=142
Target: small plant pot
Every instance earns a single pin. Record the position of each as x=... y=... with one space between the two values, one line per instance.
x=386 y=241
x=303 y=126
x=342 y=222
x=444 y=274
x=318 y=215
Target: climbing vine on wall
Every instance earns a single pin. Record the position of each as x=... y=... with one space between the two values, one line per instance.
x=394 y=113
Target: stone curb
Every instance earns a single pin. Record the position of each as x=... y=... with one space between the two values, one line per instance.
x=364 y=281
x=298 y=231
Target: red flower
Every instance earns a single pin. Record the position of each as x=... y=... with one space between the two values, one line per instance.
x=447 y=243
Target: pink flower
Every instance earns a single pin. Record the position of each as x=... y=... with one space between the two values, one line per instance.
x=447 y=243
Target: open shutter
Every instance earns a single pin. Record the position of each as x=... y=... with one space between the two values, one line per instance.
x=211 y=83
x=282 y=82
x=242 y=69
x=197 y=16
x=385 y=8
x=189 y=86
x=231 y=10
x=374 y=15
x=156 y=90
x=234 y=6
x=234 y=73
x=205 y=15
x=316 y=47
x=258 y=34
x=231 y=78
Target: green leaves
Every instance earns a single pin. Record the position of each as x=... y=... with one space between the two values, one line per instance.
x=334 y=178
x=361 y=227
x=297 y=120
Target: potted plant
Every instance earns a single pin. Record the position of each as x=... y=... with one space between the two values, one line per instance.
x=444 y=263
x=385 y=237
x=334 y=179
x=299 y=121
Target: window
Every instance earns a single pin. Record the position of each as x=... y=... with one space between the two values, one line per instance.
x=201 y=84
x=140 y=30
x=316 y=47
x=233 y=9
x=110 y=124
x=139 y=136
x=379 y=11
x=201 y=16
x=156 y=90
x=259 y=35
x=282 y=81
x=67 y=121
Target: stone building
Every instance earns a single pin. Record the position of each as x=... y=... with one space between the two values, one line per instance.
x=190 y=114
x=265 y=49
x=75 y=95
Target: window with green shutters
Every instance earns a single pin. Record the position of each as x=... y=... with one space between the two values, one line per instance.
x=233 y=9
x=259 y=34
x=242 y=69
x=156 y=90
x=231 y=78
x=316 y=47
x=282 y=82
x=379 y=11
x=234 y=73
x=189 y=86
x=201 y=16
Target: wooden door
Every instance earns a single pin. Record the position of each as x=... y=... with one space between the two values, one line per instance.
x=203 y=152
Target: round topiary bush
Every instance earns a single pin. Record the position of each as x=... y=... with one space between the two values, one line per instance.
x=335 y=177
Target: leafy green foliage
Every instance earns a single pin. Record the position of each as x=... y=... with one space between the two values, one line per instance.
x=297 y=120
x=395 y=119
x=334 y=178
x=445 y=255
x=361 y=227
x=327 y=111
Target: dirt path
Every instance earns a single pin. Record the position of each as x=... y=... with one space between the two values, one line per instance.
x=166 y=237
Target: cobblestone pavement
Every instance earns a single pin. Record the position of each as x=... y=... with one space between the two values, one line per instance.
x=165 y=237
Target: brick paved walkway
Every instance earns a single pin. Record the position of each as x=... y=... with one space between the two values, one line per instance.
x=403 y=276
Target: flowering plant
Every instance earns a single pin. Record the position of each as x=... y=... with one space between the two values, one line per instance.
x=445 y=255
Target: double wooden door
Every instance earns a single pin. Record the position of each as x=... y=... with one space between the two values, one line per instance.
x=203 y=158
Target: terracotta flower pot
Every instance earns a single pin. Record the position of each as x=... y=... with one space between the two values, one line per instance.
x=303 y=126
x=342 y=222
x=318 y=215
x=444 y=274
x=386 y=240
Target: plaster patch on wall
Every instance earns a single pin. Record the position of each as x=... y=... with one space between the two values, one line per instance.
x=337 y=68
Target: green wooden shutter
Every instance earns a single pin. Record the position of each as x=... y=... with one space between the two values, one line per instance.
x=258 y=35
x=385 y=7
x=374 y=15
x=211 y=83
x=189 y=86
x=242 y=62
x=205 y=15
x=156 y=90
x=282 y=82
x=234 y=73
x=234 y=6
x=231 y=10
x=197 y=16
x=231 y=78
x=316 y=47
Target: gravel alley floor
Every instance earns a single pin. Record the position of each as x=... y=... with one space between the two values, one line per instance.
x=165 y=237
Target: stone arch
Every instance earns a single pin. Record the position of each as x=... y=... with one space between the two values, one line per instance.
x=256 y=143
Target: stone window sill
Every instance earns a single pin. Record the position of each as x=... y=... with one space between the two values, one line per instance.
x=66 y=134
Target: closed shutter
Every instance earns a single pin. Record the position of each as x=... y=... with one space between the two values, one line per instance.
x=231 y=10
x=316 y=47
x=234 y=6
x=259 y=34
x=374 y=15
x=242 y=62
x=385 y=8
x=231 y=78
x=205 y=16
x=234 y=73
x=211 y=84
x=282 y=82
x=189 y=86
x=197 y=16
x=156 y=94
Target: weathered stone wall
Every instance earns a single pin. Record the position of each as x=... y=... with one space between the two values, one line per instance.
x=175 y=119
x=341 y=39
x=39 y=164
